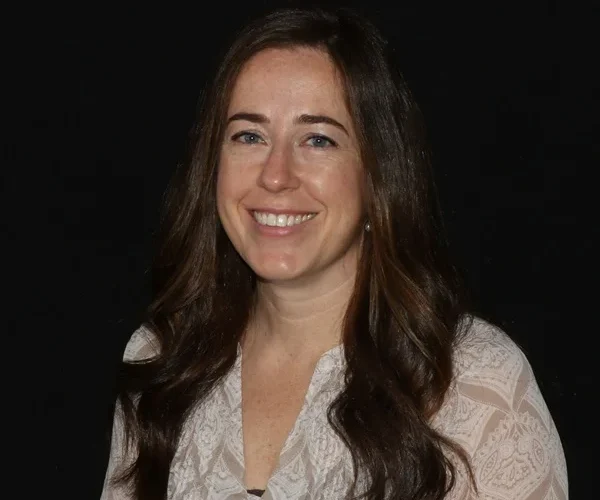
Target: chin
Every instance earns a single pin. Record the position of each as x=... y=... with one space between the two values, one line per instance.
x=274 y=274
x=277 y=269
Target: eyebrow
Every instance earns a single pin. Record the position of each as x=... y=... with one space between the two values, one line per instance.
x=302 y=119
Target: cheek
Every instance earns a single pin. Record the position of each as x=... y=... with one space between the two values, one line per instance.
x=221 y=191
x=226 y=195
x=235 y=177
x=227 y=187
x=340 y=189
x=232 y=187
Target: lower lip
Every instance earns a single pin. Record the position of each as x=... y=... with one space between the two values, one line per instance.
x=278 y=230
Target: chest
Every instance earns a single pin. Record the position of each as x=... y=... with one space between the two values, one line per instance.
x=224 y=445
x=271 y=405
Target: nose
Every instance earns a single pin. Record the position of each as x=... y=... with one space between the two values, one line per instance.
x=278 y=171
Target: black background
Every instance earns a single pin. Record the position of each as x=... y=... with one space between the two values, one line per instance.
x=98 y=107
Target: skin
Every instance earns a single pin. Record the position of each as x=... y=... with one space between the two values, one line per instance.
x=289 y=148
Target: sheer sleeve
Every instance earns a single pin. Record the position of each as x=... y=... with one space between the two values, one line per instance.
x=496 y=412
x=141 y=346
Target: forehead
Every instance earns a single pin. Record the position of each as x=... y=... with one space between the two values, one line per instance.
x=292 y=77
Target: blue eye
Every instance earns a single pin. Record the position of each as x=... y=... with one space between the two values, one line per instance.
x=320 y=141
x=247 y=138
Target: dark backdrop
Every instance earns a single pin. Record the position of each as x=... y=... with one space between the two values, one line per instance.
x=99 y=104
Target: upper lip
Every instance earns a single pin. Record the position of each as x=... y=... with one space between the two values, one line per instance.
x=277 y=211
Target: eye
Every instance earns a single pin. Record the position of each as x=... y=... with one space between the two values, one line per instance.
x=320 y=141
x=247 y=138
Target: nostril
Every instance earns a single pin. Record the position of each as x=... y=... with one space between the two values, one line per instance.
x=277 y=178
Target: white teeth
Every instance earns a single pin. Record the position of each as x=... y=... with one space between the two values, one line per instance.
x=281 y=220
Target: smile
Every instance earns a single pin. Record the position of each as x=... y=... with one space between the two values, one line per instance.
x=281 y=220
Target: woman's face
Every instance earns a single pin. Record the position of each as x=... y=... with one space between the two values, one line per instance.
x=290 y=175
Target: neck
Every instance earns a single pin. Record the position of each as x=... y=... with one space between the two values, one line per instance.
x=299 y=321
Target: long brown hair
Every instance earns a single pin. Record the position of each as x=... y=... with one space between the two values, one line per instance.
x=402 y=322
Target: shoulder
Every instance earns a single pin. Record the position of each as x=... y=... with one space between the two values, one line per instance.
x=485 y=354
x=495 y=411
x=491 y=369
x=142 y=345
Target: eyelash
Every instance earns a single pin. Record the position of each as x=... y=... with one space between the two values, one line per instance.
x=239 y=135
x=318 y=136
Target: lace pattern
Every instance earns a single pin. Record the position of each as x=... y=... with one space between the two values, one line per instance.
x=494 y=410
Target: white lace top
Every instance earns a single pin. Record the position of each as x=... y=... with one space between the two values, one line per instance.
x=494 y=410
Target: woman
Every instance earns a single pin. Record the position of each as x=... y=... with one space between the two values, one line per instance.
x=307 y=337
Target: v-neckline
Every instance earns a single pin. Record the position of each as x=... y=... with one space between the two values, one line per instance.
x=328 y=361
